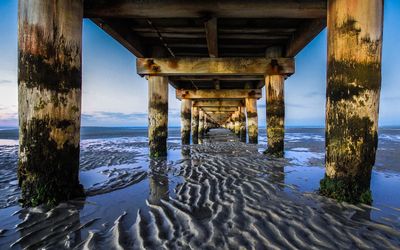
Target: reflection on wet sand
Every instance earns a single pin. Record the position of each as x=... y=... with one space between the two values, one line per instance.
x=57 y=228
x=220 y=194
x=158 y=179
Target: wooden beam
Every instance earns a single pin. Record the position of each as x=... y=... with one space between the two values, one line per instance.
x=218 y=94
x=196 y=9
x=221 y=78
x=218 y=103
x=214 y=66
x=219 y=109
x=254 y=36
x=212 y=36
x=256 y=30
x=304 y=35
x=122 y=34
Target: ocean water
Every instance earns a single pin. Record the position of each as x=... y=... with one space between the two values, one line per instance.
x=221 y=193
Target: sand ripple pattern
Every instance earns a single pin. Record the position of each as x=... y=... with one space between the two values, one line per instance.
x=231 y=201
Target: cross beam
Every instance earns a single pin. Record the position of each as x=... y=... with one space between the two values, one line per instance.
x=218 y=94
x=219 y=109
x=214 y=66
x=196 y=9
x=218 y=103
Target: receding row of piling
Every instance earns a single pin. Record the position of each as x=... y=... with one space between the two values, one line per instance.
x=49 y=85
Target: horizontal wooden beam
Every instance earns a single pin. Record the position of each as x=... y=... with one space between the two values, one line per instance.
x=218 y=103
x=196 y=9
x=218 y=94
x=219 y=109
x=122 y=34
x=221 y=78
x=214 y=66
x=304 y=35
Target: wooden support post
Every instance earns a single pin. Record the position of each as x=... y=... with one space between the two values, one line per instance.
x=353 y=88
x=49 y=96
x=242 y=119
x=275 y=108
x=195 y=125
x=158 y=115
x=186 y=108
x=201 y=124
x=205 y=124
x=252 y=120
x=237 y=123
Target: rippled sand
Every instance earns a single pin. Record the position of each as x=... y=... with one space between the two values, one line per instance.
x=220 y=194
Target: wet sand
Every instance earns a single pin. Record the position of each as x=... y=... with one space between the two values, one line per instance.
x=220 y=194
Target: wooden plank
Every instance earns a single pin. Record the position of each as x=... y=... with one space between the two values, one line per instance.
x=218 y=94
x=251 y=30
x=219 y=109
x=196 y=9
x=122 y=34
x=304 y=35
x=254 y=36
x=218 y=103
x=221 y=78
x=214 y=66
x=212 y=36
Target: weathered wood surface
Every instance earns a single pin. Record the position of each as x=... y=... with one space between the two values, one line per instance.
x=220 y=77
x=275 y=108
x=219 y=94
x=196 y=9
x=353 y=88
x=218 y=103
x=275 y=113
x=49 y=97
x=158 y=115
x=195 y=125
x=236 y=119
x=201 y=123
x=252 y=120
x=214 y=66
x=242 y=120
x=123 y=35
x=212 y=36
x=186 y=115
x=305 y=34
x=221 y=109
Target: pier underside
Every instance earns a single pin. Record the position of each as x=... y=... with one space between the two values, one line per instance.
x=218 y=55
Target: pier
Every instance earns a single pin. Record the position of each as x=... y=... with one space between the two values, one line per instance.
x=218 y=55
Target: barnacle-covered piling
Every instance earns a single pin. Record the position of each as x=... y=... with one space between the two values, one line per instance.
x=49 y=97
x=252 y=120
x=353 y=88
x=186 y=108
x=158 y=115
x=242 y=119
x=195 y=125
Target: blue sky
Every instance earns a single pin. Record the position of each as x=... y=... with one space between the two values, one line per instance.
x=114 y=95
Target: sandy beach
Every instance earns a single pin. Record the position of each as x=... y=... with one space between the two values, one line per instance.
x=219 y=194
